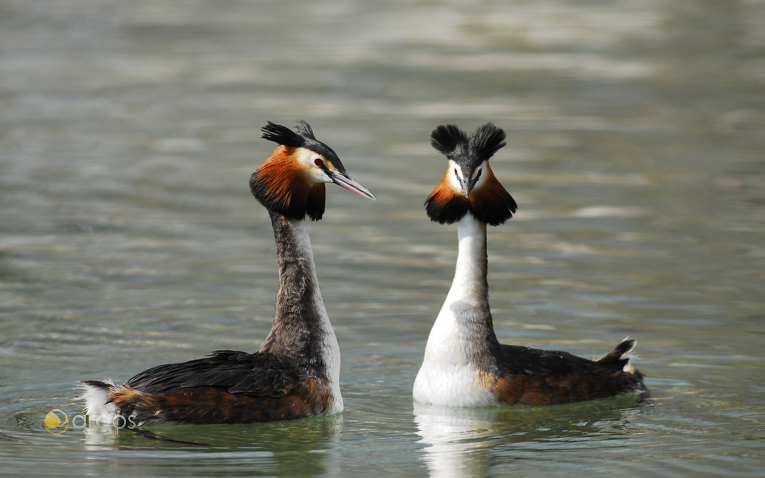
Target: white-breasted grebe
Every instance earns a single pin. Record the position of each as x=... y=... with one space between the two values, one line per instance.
x=464 y=363
x=296 y=372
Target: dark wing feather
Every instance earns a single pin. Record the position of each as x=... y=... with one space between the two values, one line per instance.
x=258 y=375
x=517 y=360
x=541 y=377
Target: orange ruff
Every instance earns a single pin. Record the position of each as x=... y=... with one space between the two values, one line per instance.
x=282 y=176
x=490 y=197
x=489 y=203
x=445 y=195
x=287 y=188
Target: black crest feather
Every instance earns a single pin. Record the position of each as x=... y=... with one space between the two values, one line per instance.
x=305 y=129
x=282 y=135
x=446 y=138
x=487 y=140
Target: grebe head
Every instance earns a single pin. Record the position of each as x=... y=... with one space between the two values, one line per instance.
x=469 y=184
x=291 y=182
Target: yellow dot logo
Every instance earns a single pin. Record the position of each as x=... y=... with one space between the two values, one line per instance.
x=56 y=422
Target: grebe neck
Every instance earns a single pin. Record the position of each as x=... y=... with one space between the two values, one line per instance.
x=465 y=316
x=462 y=346
x=301 y=331
x=470 y=282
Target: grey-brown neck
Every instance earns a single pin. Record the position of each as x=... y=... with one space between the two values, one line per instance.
x=301 y=332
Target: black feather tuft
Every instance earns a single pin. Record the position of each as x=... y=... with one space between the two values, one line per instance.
x=271 y=201
x=282 y=135
x=486 y=141
x=493 y=204
x=446 y=211
x=316 y=202
x=305 y=129
x=301 y=203
x=446 y=138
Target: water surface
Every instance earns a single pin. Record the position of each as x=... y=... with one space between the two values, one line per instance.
x=129 y=238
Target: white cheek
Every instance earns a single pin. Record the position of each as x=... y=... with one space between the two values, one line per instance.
x=454 y=181
x=319 y=176
x=481 y=178
x=315 y=174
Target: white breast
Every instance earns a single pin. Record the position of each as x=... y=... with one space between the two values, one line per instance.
x=450 y=373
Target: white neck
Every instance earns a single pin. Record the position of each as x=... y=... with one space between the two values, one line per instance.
x=470 y=284
x=460 y=340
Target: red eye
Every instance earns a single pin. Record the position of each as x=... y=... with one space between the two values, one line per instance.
x=456 y=173
x=318 y=162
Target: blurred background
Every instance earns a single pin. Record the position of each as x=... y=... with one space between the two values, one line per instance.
x=129 y=238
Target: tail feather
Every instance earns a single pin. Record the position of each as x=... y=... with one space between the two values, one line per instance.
x=619 y=357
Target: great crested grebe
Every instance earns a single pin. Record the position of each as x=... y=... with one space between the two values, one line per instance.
x=464 y=363
x=296 y=372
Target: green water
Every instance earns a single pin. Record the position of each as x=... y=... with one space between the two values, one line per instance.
x=129 y=238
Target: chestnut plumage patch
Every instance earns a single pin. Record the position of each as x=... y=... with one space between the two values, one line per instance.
x=205 y=404
x=491 y=203
x=574 y=387
x=526 y=376
x=281 y=186
x=445 y=205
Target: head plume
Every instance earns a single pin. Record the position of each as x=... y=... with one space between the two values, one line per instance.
x=282 y=135
x=487 y=199
x=281 y=184
x=487 y=140
x=447 y=138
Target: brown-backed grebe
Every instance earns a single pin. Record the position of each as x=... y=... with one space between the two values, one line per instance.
x=464 y=363
x=296 y=372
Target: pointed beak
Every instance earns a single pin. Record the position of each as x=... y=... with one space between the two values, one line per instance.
x=347 y=182
x=467 y=186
